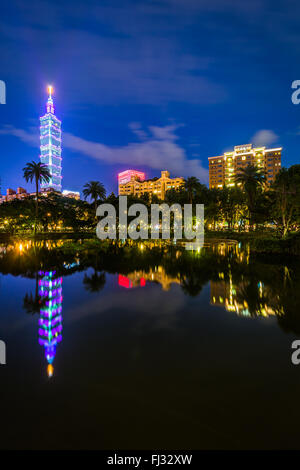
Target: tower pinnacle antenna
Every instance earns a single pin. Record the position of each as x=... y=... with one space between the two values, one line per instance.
x=50 y=90
x=50 y=106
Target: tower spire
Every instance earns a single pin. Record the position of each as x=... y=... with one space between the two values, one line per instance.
x=50 y=106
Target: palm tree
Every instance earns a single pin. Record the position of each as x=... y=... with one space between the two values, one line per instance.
x=33 y=303
x=251 y=178
x=191 y=285
x=95 y=282
x=40 y=174
x=95 y=190
x=192 y=184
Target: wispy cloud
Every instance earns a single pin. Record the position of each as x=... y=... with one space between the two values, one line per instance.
x=159 y=150
x=264 y=137
x=151 y=317
x=29 y=136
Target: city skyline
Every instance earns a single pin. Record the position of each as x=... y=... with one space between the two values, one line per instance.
x=150 y=228
x=195 y=104
x=51 y=149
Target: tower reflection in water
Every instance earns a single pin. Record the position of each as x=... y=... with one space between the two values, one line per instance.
x=50 y=321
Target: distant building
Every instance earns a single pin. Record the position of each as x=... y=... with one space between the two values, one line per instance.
x=157 y=186
x=21 y=190
x=21 y=193
x=71 y=194
x=50 y=140
x=11 y=194
x=223 y=169
x=140 y=278
x=46 y=191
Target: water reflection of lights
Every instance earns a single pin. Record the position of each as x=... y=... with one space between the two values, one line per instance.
x=50 y=321
x=140 y=278
x=229 y=296
x=128 y=283
x=50 y=370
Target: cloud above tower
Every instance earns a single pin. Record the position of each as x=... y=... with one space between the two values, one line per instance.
x=157 y=148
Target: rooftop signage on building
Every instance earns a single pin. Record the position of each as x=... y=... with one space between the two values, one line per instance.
x=125 y=176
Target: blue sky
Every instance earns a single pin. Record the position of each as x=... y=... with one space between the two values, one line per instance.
x=147 y=84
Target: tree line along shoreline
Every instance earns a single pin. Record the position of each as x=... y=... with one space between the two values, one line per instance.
x=266 y=217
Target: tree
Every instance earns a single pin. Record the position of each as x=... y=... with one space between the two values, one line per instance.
x=40 y=174
x=95 y=190
x=231 y=203
x=95 y=282
x=212 y=211
x=192 y=185
x=177 y=196
x=251 y=178
x=33 y=304
x=286 y=198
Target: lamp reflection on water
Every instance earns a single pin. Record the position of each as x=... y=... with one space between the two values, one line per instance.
x=50 y=321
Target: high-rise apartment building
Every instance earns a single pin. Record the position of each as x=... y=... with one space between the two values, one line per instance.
x=157 y=186
x=50 y=140
x=223 y=169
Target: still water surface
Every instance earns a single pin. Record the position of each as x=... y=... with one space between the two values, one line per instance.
x=148 y=348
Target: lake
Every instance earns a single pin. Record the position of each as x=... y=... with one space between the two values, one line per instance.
x=147 y=347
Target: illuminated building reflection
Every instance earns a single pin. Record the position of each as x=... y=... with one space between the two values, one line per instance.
x=50 y=321
x=124 y=281
x=245 y=299
x=139 y=278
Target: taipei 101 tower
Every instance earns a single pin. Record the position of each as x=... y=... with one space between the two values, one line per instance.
x=50 y=144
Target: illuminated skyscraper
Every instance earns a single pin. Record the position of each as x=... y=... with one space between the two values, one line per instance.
x=50 y=140
x=50 y=321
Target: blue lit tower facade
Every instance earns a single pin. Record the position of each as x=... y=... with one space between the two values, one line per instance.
x=50 y=321
x=50 y=140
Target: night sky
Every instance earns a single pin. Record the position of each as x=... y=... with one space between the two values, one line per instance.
x=146 y=84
